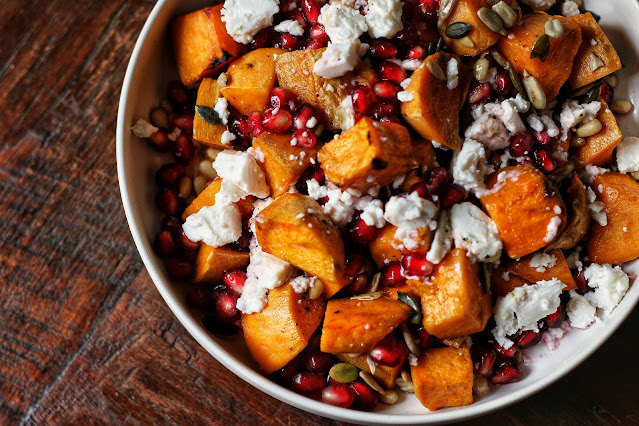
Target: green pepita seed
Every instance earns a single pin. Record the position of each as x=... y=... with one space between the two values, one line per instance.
x=577 y=142
x=408 y=300
x=593 y=95
x=480 y=69
x=441 y=45
x=492 y=20
x=514 y=78
x=343 y=372
x=416 y=318
x=457 y=30
x=506 y=13
x=563 y=172
x=207 y=114
x=620 y=107
x=554 y=28
x=591 y=128
x=467 y=42
x=541 y=48
x=432 y=47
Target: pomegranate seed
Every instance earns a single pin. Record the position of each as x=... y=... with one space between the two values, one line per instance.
x=240 y=127
x=219 y=327
x=422 y=189
x=392 y=275
x=407 y=36
x=178 y=269
x=288 y=5
x=169 y=174
x=363 y=233
x=199 y=296
x=504 y=85
x=177 y=93
x=183 y=150
x=383 y=49
x=184 y=122
x=428 y=8
x=357 y=117
x=365 y=396
x=298 y=16
x=507 y=371
x=159 y=140
x=542 y=137
x=555 y=319
x=380 y=110
x=425 y=339
x=277 y=121
x=308 y=384
x=358 y=286
x=314 y=172
x=582 y=285
x=509 y=353
x=484 y=358
x=314 y=341
x=545 y=161
x=290 y=42
x=186 y=243
x=354 y=264
x=315 y=44
x=456 y=194
x=414 y=264
x=391 y=71
x=386 y=91
x=318 y=33
x=318 y=362
x=362 y=99
x=416 y=52
x=527 y=338
x=390 y=119
x=234 y=279
x=262 y=39
x=438 y=180
x=226 y=305
x=285 y=375
x=338 y=395
x=521 y=144
x=310 y=10
x=304 y=114
x=480 y=93
x=607 y=92
x=167 y=201
x=305 y=138
x=164 y=244
x=172 y=224
x=283 y=99
x=386 y=354
x=254 y=120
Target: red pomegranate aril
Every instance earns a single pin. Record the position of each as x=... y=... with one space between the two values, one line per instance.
x=178 y=269
x=169 y=174
x=407 y=36
x=481 y=92
x=365 y=396
x=392 y=275
x=314 y=341
x=177 y=93
x=219 y=327
x=315 y=172
x=338 y=395
x=504 y=85
x=290 y=42
x=507 y=371
x=310 y=10
x=164 y=244
x=226 y=305
x=414 y=264
x=607 y=92
x=318 y=33
x=315 y=44
x=380 y=110
x=422 y=189
x=484 y=358
x=386 y=354
x=455 y=194
x=318 y=362
x=362 y=99
x=416 y=52
x=358 y=285
x=285 y=375
x=167 y=201
x=183 y=149
x=363 y=233
x=298 y=16
x=261 y=39
x=556 y=318
x=354 y=264
x=425 y=339
x=199 y=296
x=282 y=98
x=234 y=279
x=582 y=284
x=542 y=137
x=438 y=180
x=186 y=243
x=390 y=119
x=391 y=71
x=240 y=127
x=521 y=144
x=184 y=122
x=428 y=8
x=545 y=160
x=383 y=49
x=304 y=114
x=308 y=384
x=511 y=352
x=172 y=224
x=159 y=140
x=254 y=120
x=305 y=138
x=386 y=91
x=277 y=121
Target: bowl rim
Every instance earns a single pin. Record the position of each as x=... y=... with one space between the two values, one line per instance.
x=262 y=383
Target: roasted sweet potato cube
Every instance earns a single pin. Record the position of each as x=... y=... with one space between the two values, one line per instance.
x=618 y=241
x=209 y=134
x=503 y=282
x=295 y=228
x=282 y=329
x=355 y=326
x=578 y=216
x=369 y=154
x=251 y=79
x=207 y=198
x=201 y=44
x=385 y=248
x=295 y=73
x=283 y=164
x=443 y=377
x=392 y=292
x=555 y=70
x=212 y=262
x=455 y=302
x=585 y=69
x=434 y=110
x=425 y=153
x=599 y=148
x=528 y=269
x=527 y=209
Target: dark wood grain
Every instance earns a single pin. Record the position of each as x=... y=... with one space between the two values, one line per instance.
x=84 y=336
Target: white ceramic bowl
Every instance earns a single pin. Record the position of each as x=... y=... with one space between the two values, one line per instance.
x=151 y=67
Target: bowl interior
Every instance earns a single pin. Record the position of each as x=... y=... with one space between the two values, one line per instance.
x=151 y=67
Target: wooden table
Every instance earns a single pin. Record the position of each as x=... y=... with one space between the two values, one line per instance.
x=84 y=335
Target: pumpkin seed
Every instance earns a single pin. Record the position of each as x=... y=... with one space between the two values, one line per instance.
x=594 y=62
x=457 y=30
x=612 y=80
x=534 y=91
x=370 y=381
x=206 y=169
x=499 y=58
x=371 y=364
x=591 y=128
x=506 y=13
x=316 y=289
x=389 y=397
x=492 y=20
x=562 y=173
x=410 y=340
x=432 y=47
x=514 y=78
x=467 y=42
x=435 y=70
x=541 y=48
x=368 y=296
x=159 y=117
x=416 y=318
x=199 y=184
x=376 y=280
x=554 y=28
x=408 y=300
x=620 y=107
x=577 y=142
x=185 y=186
x=404 y=385
x=480 y=69
x=208 y=114
x=445 y=9
x=593 y=95
x=343 y=372
x=441 y=45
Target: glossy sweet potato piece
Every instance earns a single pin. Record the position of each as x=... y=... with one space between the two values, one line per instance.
x=525 y=207
x=618 y=241
x=295 y=228
x=283 y=164
x=355 y=326
x=369 y=154
x=578 y=216
x=503 y=282
x=455 y=302
x=599 y=148
x=207 y=198
x=385 y=248
x=555 y=70
x=582 y=72
x=282 y=329
x=443 y=377
x=391 y=292
x=211 y=262
x=209 y=134
x=559 y=270
x=201 y=43
x=251 y=79
x=434 y=110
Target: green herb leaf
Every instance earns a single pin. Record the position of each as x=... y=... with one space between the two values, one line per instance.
x=457 y=30
x=593 y=95
x=208 y=114
x=408 y=300
x=541 y=48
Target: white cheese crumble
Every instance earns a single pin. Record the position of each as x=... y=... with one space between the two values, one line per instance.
x=409 y=212
x=628 y=155
x=495 y=123
x=290 y=26
x=411 y=65
x=443 y=240
x=215 y=225
x=143 y=129
x=452 y=74
x=405 y=96
x=610 y=284
x=574 y=113
x=470 y=167
x=343 y=24
x=384 y=18
x=543 y=261
x=241 y=169
x=596 y=208
x=553 y=229
x=373 y=213
x=474 y=231
x=337 y=59
x=346 y=113
x=580 y=312
x=302 y=283
x=227 y=137
x=569 y=9
x=222 y=109
x=244 y=18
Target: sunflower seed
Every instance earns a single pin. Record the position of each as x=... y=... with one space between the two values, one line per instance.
x=406 y=376
x=541 y=48
x=457 y=30
x=389 y=397
x=376 y=280
x=506 y=13
x=404 y=385
x=343 y=372
x=185 y=187
x=577 y=142
x=594 y=62
x=620 y=107
x=591 y=128
x=435 y=70
x=371 y=364
x=316 y=289
x=467 y=42
x=445 y=9
x=159 y=117
x=492 y=20
x=199 y=183
x=499 y=58
x=534 y=91
x=371 y=382
x=554 y=28
x=368 y=296
x=481 y=69
x=612 y=80
x=353 y=355
x=410 y=340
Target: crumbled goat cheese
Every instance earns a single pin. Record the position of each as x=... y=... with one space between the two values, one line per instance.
x=474 y=231
x=410 y=212
x=539 y=4
x=470 y=167
x=340 y=205
x=411 y=64
x=610 y=284
x=404 y=84
x=244 y=18
x=302 y=283
x=452 y=74
x=337 y=60
x=241 y=169
x=569 y=9
x=489 y=130
x=404 y=96
x=574 y=113
x=311 y=122
x=215 y=225
x=384 y=18
x=222 y=109
x=553 y=229
x=542 y=261
x=628 y=155
x=290 y=26
x=580 y=312
x=550 y=126
x=524 y=307
x=346 y=113
x=596 y=208
x=443 y=240
x=343 y=24
x=535 y=122
x=227 y=137
x=373 y=214
x=143 y=129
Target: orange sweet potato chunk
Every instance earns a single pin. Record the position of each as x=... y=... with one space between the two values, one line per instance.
x=209 y=134
x=211 y=262
x=369 y=154
x=295 y=228
x=355 y=326
x=251 y=79
x=455 y=302
x=599 y=148
x=443 y=377
x=385 y=248
x=524 y=206
x=283 y=164
x=503 y=282
x=578 y=216
x=555 y=70
x=392 y=292
x=207 y=198
x=582 y=73
x=201 y=43
x=618 y=241
x=434 y=110
x=282 y=329
x=559 y=270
